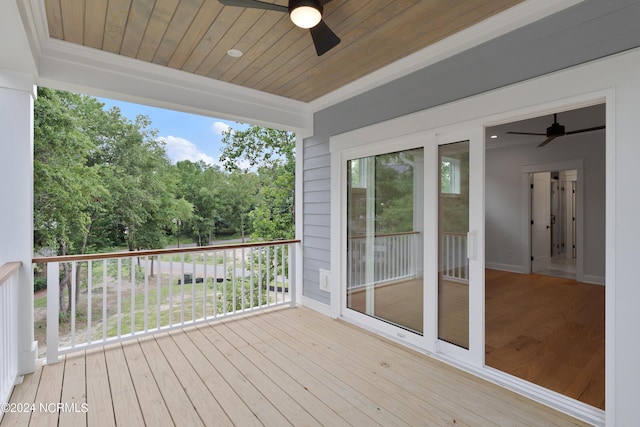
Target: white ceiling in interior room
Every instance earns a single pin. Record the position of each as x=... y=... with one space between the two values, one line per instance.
x=575 y=119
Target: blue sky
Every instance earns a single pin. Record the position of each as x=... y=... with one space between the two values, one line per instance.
x=187 y=136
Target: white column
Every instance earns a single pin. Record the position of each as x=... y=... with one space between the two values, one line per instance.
x=17 y=94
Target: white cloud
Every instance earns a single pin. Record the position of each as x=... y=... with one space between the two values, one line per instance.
x=181 y=149
x=218 y=128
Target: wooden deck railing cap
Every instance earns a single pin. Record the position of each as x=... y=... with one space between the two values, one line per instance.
x=158 y=252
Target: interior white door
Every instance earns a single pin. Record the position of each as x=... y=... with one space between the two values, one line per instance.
x=540 y=221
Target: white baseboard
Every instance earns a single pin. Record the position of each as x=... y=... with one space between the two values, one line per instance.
x=595 y=280
x=505 y=267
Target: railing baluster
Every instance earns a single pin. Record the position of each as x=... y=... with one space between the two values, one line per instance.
x=224 y=281
x=274 y=272
x=284 y=266
x=215 y=284
x=53 y=305
x=233 y=280
x=242 y=289
x=171 y=290
x=133 y=295
x=89 y=299
x=146 y=293
x=119 y=300
x=260 y=276
x=72 y=298
x=291 y=276
x=105 y=265
x=193 y=289
x=251 y=284
x=158 y=292
x=182 y=285
x=205 y=281
x=268 y=288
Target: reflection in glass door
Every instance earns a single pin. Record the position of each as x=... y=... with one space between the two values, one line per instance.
x=384 y=237
x=453 y=220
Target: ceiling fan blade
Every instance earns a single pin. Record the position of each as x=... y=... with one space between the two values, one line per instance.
x=323 y=38
x=323 y=2
x=586 y=130
x=527 y=133
x=255 y=4
x=548 y=140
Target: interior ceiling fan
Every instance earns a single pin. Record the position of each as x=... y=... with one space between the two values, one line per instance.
x=556 y=130
x=304 y=14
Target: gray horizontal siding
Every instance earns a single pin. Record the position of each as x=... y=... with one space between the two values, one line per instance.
x=317 y=243
x=317 y=162
x=316 y=216
x=319 y=220
x=317 y=185
x=316 y=230
x=322 y=196
x=319 y=173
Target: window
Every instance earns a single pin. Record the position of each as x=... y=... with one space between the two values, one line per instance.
x=450 y=175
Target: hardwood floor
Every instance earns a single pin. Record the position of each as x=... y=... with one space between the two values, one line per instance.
x=549 y=331
x=398 y=302
x=546 y=330
x=283 y=367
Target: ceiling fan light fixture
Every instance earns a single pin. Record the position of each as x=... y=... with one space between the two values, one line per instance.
x=305 y=13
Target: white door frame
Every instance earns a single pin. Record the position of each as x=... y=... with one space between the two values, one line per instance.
x=578 y=165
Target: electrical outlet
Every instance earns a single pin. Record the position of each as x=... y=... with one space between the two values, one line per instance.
x=325 y=283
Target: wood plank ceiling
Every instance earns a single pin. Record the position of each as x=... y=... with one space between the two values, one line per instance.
x=279 y=58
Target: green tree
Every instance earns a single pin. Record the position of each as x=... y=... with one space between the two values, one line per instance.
x=67 y=190
x=272 y=153
x=99 y=180
x=136 y=170
x=182 y=214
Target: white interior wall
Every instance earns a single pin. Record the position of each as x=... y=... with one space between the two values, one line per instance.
x=505 y=211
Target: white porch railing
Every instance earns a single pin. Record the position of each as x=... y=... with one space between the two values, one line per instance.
x=394 y=258
x=8 y=329
x=119 y=296
x=454 y=264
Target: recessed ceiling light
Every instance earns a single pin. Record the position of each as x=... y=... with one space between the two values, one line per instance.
x=494 y=136
x=234 y=53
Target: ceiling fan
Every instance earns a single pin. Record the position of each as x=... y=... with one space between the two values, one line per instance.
x=304 y=14
x=556 y=130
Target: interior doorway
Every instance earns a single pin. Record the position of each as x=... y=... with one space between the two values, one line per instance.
x=554 y=223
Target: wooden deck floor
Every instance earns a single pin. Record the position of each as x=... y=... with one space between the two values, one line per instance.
x=283 y=367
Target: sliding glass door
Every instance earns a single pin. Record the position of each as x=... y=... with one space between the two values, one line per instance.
x=453 y=229
x=410 y=221
x=385 y=238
